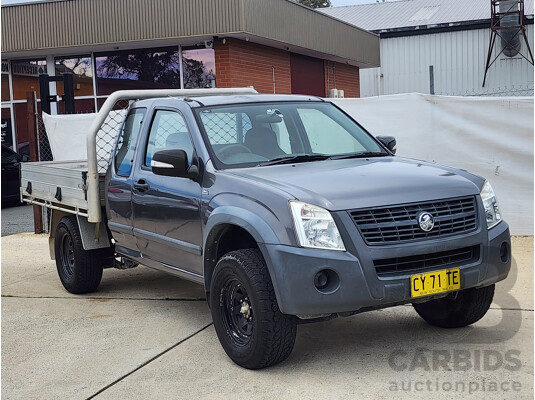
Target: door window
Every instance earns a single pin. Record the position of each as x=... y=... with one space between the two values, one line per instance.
x=225 y=127
x=126 y=147
x=168 y=132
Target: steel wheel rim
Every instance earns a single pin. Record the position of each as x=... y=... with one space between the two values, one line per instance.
x=67 y=255
x=237 y=312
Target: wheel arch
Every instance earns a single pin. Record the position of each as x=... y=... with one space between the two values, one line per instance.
x=87 y=229
x=232 y=228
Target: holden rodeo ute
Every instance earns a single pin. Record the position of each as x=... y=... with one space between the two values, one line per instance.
x=282 y=206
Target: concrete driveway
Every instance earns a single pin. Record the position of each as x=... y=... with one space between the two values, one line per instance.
x=147 y=335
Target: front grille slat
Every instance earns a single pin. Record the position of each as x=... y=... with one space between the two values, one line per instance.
x=398 y=224
x=410 y=264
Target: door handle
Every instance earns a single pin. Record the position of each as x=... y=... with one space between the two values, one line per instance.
x=141 y=185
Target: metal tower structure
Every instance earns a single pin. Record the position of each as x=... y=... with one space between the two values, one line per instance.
x=508 y=23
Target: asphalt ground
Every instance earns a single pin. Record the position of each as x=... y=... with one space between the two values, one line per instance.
x=17 y=219
x=148 y=335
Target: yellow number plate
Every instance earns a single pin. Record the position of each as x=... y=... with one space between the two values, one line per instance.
x=435 y=282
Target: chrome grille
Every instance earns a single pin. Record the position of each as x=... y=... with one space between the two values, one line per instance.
x=398 y=224
x=443 y=259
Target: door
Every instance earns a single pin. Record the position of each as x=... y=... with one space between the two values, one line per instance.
x=166 y=210
x=307 y=75
x=119 y=183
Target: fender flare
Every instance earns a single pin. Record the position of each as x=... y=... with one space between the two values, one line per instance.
x=259 y=229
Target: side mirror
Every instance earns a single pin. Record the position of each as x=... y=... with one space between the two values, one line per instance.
x=173 y=163
x=25 y=158
x=170 y=163
x=389 y=142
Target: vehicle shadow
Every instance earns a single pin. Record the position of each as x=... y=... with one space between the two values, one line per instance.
x=147 y=283
x=370 y=339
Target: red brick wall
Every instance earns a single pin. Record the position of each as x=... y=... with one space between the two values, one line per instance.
x=239 y=63
x=346 y=77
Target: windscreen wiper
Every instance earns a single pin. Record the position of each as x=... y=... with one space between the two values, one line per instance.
x=295 y=158
x=364 y=154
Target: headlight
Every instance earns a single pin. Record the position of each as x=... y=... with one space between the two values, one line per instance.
x=492 y=210
x=315 y=227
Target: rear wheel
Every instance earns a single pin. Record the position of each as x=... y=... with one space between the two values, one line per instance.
x=248 y=322
x=468 y=307
x=79 y=270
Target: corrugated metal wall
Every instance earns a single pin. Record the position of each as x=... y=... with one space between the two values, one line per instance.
x=88 y=22
x=458 y=59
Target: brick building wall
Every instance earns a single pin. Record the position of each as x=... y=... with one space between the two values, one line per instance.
x=239 y=63
x=345 y=76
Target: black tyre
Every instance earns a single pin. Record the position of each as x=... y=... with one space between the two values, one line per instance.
x=248 y=322
x=79 y=270
x=468 y=307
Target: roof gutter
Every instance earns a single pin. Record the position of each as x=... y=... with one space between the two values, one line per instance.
x=439 y=28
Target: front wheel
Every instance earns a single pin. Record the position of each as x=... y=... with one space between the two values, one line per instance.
x=79 y=270
x=468 y=307
x=248 y=322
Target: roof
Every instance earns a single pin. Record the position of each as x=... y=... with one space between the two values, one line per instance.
x=83 y=26
x=411 y=13
x=210 y=101
x=252 y=98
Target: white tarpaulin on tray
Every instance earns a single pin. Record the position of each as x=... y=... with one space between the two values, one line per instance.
x=489 y=136
x=67 y=134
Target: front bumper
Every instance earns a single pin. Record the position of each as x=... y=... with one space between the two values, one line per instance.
x=359 y=287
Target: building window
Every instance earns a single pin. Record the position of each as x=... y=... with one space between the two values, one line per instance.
x=25 y=75
x=138 y=69
x=198 y=68
x=82 y=72
x=5 y=81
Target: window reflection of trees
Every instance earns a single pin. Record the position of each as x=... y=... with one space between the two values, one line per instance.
x=161 y=66
x=196 y=74
x=81 y=68
x=77 y=66
x=198 y=68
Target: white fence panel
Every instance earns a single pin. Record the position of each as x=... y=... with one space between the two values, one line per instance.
x=488 y=136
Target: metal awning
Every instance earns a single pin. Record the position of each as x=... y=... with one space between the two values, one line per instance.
x=67 y=27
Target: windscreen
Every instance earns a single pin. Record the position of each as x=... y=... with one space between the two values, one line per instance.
x=258 y=134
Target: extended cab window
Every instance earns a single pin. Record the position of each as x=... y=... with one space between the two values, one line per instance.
x=124 y=154
x=168 y=132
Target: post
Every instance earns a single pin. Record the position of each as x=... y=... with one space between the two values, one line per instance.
x=34 y=155
x=431 y=80
x=68 y=97
x=44 y=87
